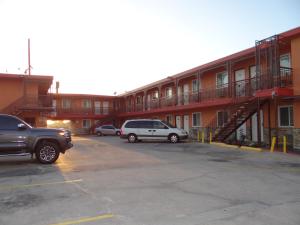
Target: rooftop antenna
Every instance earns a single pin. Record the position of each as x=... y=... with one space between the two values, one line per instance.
x=29 y=66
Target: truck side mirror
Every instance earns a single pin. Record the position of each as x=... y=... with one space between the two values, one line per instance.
x=22 y=126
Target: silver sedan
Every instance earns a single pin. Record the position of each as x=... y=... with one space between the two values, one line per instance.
x=107 y=130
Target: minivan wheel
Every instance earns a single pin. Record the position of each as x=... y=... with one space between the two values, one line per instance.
x=47 y=152
x=118 y=133
x=173 y=138
x=132 y=138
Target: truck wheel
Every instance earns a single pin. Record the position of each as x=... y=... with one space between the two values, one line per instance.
x=47 y=152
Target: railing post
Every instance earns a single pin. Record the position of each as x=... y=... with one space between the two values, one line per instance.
x=198 y=86
x=284 y=144
x=273 y=144
x=159 y=97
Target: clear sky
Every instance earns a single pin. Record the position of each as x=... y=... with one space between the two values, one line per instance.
x=102 y=47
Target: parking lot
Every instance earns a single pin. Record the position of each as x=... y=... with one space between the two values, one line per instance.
x=105 y=180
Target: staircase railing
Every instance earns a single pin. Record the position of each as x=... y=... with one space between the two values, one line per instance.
x=213 y=126
x=29 y=102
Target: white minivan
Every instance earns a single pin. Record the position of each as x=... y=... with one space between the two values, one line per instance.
x=151 y=129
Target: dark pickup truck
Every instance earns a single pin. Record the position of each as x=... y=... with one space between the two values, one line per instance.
x=19 y=138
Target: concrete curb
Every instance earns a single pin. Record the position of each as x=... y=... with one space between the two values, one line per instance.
x=237 y=147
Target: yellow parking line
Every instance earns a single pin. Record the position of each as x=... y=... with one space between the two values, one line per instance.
x=87 y=219
x=39 y=184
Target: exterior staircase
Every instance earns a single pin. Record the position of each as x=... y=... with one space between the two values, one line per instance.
x=238 y=114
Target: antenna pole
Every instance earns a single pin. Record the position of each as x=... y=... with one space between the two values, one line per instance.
x=29 y=66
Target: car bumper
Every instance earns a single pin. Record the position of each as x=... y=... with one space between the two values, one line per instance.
x=66 y=146
x=183 y=137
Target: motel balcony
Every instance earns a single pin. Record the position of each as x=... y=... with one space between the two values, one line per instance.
x=41 y=103
x=81 y=112
x=259 y=86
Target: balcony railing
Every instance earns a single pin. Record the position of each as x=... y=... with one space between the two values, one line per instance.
x=30 y=102
x=237 y=89
x=39 y=101
x=81 y=111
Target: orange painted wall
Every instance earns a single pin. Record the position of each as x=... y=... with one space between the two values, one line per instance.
x=32 y=89
x=208 y=79
x=11 y=90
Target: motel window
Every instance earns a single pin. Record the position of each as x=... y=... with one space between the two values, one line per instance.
x=105 y=108
x=139 y=100
x=285 y=61
x=252 y=71
x=129 y=101
x=169 y=92
x=155 y=95
x=86 y=123
x=54 y=103
x=169 y=119
x=195 y=85
x=222 y=117
x=222 y=79
x=196 y=119
x=286 y=116
x=86 y=104
x=66 y=103
x=97 y=105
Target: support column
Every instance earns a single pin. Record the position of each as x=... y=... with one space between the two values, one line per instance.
x=144 y=100
x=198 y=83
x=159 y=96
x=175 y=93
x=230 y=79
x=258 y=123
x=269 y=122
x=176 y=87
x=276 y=119
x=134 y=103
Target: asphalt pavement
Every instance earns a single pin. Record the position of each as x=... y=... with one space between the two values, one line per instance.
x=105 y=180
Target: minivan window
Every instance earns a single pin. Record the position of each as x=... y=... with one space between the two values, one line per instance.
x=145 y=124
x=131 y=124
x=159 y=125
x=168 y=124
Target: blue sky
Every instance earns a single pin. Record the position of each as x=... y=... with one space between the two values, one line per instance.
x=102 y=47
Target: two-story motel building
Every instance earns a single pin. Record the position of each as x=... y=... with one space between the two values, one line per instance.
x=253 y=92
